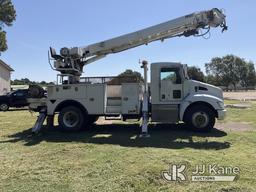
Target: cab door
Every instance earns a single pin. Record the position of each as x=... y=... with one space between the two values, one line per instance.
x=170 y=85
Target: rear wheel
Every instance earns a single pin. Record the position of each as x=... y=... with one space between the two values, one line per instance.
x=200 y=118
x=4 y=107
x=71 y=118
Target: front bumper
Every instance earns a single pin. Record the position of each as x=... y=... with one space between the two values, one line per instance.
x=221 y=114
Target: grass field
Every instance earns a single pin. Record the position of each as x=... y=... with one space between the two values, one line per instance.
x=113 y=158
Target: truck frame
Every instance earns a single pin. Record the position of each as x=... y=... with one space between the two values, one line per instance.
x=170 y=97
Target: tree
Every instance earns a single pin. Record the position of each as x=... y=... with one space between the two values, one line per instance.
x=128 y=76
x=43 y=83
x=26 y=81
x=7 y=16
x=228 y=69
x=213 y=80
x=195 y=73
x=248 y=78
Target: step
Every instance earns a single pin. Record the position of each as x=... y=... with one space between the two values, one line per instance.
x=113 y=110
x=119 y=117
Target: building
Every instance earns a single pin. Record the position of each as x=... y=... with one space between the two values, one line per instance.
x=5 y=78
x=16 y=87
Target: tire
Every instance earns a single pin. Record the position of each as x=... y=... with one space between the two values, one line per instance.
x=200 y=118
x=4 y=107
x=71 y=118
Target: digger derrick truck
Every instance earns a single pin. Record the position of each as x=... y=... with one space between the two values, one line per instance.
x=170 y=97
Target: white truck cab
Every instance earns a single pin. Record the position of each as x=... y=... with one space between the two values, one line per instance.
x=174 y=97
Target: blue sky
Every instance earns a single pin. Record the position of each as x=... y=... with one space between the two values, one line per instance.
x=60 y=23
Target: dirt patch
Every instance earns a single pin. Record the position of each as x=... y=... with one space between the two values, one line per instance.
x=102 y=121
x=234 y=126
x=238 y=106
x=240 y=95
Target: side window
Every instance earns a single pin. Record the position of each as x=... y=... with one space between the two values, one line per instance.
x=170 y=74
x=19 y=94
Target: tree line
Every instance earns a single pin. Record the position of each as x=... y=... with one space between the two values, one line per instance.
x=229 y=72
x=26 y=81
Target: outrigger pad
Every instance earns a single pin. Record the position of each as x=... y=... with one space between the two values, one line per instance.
x=39 y=122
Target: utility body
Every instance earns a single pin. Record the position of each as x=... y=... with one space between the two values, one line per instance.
x=170 y=97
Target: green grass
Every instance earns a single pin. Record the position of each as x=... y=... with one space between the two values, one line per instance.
x=231 y=102
x=113 y=158
x=247 y=115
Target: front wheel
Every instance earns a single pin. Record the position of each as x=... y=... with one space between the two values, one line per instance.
x=200 y=118
x=71 y=118
x=4 y=107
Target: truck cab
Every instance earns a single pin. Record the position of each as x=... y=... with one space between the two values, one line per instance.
x=174 y=97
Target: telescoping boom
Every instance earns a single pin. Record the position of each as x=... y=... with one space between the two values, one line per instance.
x=71 y=60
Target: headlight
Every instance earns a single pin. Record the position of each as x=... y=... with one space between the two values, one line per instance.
x=221 y=104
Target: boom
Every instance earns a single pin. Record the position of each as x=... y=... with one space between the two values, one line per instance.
x=71 y=61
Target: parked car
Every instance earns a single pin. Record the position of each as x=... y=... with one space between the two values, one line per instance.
x=16 y=98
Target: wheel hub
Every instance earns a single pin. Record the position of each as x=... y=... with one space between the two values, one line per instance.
x=70 y=119
x=200 y=119
x=3 y=107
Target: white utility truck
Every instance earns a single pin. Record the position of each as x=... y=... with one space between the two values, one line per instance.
x=170 y=97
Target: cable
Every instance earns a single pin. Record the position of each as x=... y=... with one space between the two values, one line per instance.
x=203 y=34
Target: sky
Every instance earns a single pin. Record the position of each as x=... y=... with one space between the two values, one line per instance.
x=63 y=23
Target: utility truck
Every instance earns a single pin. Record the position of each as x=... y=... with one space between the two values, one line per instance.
x=170 y=97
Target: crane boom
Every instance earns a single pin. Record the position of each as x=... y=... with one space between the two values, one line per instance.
x=186 y=25
x=71 y=60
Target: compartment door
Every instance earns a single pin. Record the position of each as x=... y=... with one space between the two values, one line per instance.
x=130 y=98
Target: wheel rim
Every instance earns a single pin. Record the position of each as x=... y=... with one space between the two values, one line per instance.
x=71 y=119
x=200 y=119
x=4 y=107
